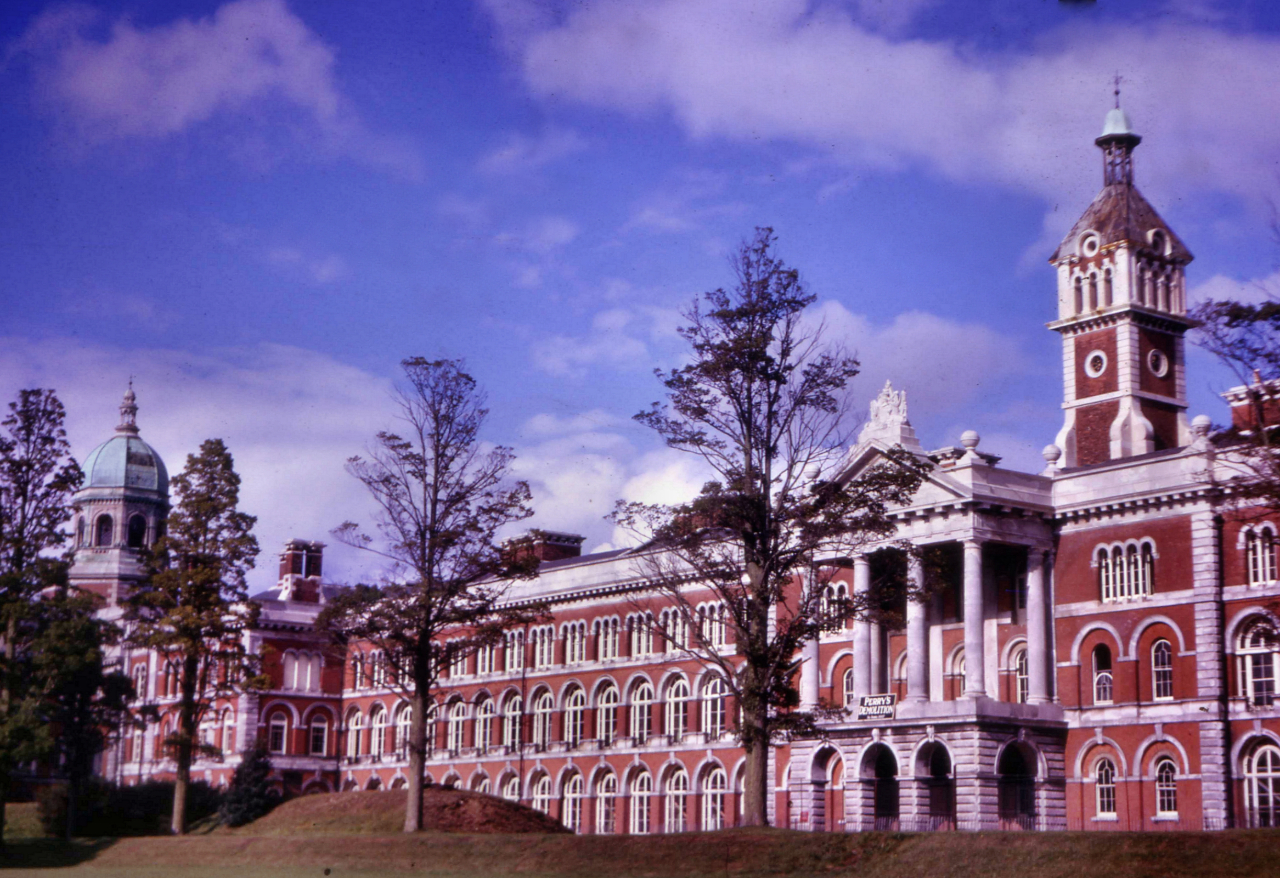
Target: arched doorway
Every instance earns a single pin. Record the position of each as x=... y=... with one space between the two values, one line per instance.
x=1017 y=790
x=934 y=769
x=828 y=772
x=880 y=767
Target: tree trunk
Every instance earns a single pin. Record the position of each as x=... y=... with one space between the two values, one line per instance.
x=186 y=744
x=755 y=780
x=417 y=760
x=73 y=795
x=4 y=797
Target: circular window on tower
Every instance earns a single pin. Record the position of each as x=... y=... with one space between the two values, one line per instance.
x=1158 y=363
x=1095 y=364
x=1089 y=245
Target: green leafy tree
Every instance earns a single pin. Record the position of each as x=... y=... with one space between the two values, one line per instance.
x=80 y=696
x=251 y=794
x=762 y=403
x=442 y=498
x=194 y=608
x=37 y=478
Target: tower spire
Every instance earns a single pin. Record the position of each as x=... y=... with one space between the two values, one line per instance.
x=1117 y=142
x=128 y=411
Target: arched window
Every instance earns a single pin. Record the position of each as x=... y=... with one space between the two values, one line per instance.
x=1079 y=299
x=677 y=710
x=513 y=654
x=378 y=737
x=571 y=809
x=1102 y=681
x=140 y=682
x=641 y=789
x=1166 y=787
x=641 y=714
x=1107 y=295
x=137 y=532
x=1262 y=786
x=575 y=708
x=542 y=794
x=355 y=731
x=278 y=733
x=228 y=732
x=676 y=798
x=512 y=719
x=713 y=698
x=850 y=699
x=358 y=678
x=1104 y=774
x=80 y=532
x=404 y=728
x=544 y=646
x=102 y=531
x=485 y=656
x=1260 y=556
x=606 y=806
x=511 y=789
x=714 y=787
x=1162 y=670
x=290 y=670
x=318 y=740
x=1022 y=678
x=1093 y=292
x=456 y=730
x=641 y=635
x=484 y=725
x=1257 y=657
x=607 y=646
x=575 y=645
x=607 y=716
x=543 y=714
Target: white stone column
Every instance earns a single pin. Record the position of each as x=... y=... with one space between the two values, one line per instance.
x=975 y=652
x=917 y=636
x=877 y=673
x=1037 y=628
x=861 y=628
x=809 y=675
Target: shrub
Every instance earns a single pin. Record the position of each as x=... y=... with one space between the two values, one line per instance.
x=105 y=810
x=251 y=794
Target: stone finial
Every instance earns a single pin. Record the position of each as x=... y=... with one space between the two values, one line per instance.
x=1200 y=426
x=1052 y=454
x=970 y=439
x=128 y=412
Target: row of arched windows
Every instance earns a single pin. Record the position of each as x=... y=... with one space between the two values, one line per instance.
x=634 y=805
x=104 y=532
x=1126 y=571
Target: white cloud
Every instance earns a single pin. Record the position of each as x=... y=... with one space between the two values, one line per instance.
x=1222 y=287
x=619 y=338
x=541 y=236
x=290 y=417
x=1207 y=99
x=244 y=61
x=319 y=269
x=522 y=154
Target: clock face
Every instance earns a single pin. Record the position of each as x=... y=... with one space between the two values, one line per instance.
x=1095 y=363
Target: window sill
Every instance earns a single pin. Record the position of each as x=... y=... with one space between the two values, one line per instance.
x=1165 y=818
x=1107 y=818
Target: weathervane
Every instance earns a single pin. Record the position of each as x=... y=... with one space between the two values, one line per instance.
x=1117 y=81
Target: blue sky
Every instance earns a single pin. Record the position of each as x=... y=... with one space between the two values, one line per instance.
x=257 y=208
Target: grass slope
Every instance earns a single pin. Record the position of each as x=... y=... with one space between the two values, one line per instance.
x=734 y=853
x=382 y=813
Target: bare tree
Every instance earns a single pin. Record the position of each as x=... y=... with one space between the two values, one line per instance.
x=1245 y=338
x=193 y=609
x=762 y=403
x=442 y=499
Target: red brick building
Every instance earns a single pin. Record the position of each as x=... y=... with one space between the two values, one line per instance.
x=1103 y=654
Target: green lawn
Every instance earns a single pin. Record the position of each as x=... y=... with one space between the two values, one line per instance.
x=736 y=853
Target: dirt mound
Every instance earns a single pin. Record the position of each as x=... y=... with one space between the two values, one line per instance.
x=381 y=812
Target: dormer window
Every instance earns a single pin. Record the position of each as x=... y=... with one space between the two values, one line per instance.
x=1159 y=242
x=1089 y=245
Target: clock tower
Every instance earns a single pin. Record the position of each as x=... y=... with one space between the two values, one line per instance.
x=1122 y=317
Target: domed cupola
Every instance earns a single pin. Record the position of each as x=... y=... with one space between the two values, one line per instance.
x=120 y=510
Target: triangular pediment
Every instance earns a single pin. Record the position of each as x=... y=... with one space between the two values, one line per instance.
x=938 y=487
